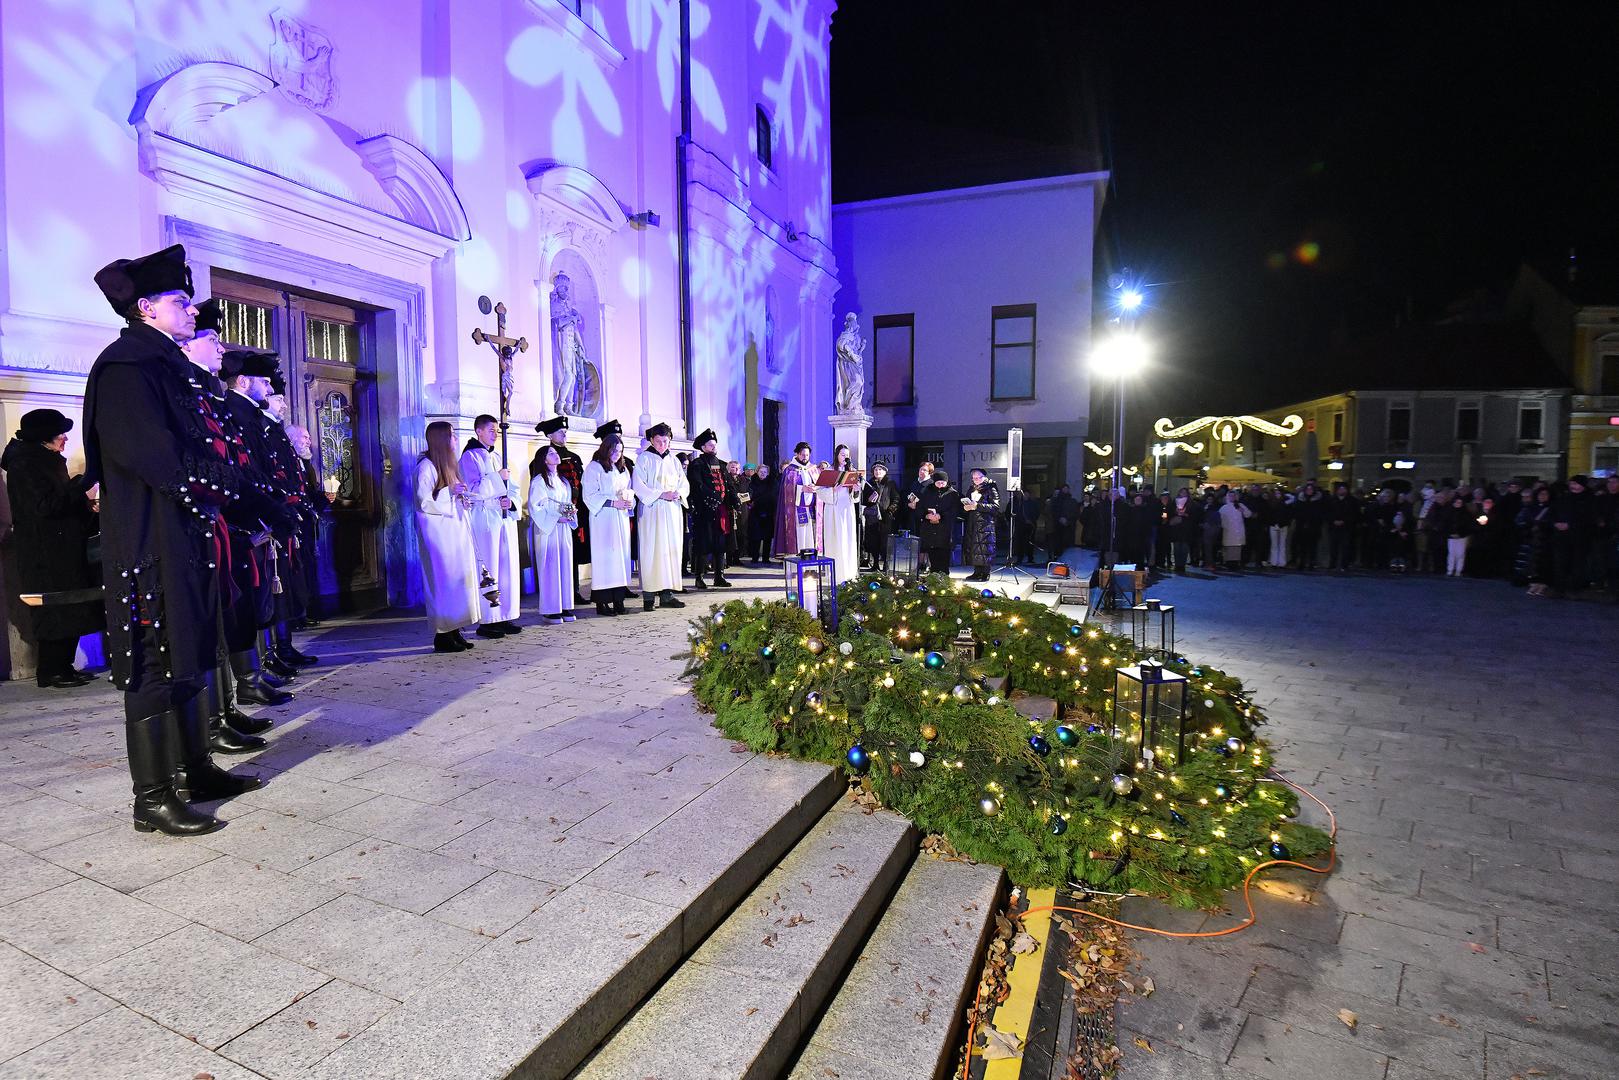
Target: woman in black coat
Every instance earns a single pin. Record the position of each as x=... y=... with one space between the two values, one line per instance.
x=978 y=542
x=937 y=507
x=879 y=499
x=53 y=519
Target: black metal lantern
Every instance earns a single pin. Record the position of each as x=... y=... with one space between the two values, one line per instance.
x=810 y=584
x=1149 y=710
x=904 y=552
x=1153 y=628
x=965 y=646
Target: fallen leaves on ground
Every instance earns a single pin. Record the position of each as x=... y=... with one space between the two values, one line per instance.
x=999 y=1044
x=1348 y=1018
x=1141 y=1041
x=1024 y=943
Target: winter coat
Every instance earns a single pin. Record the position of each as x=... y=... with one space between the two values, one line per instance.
x=939 y=534
x=52 y=521
x=978 y=542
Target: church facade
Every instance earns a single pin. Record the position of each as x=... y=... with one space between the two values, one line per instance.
x=647 y=194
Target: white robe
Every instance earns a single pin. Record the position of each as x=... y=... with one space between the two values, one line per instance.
x=662 y=525
x=449 y=568
x=839 y=540
x=609 y=526
x=494 y=537
x=551 y=543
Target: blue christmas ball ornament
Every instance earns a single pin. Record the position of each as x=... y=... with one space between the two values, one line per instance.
x=1222 y=749
x=1093 y=729
x=1056 y=647
x=1221 y=791
x=875 y=585
x=725 y=646
x=1059 y=824
x=1075 y=631
x=858 y=758
x=1278 y=850
x=987 y=594
x=1067 y=735
x=934 y=660
x=1038 y=744
x=1177 y=817
x=996 y=643
x=1197 y=672
x=766 y=651
x=921 y=588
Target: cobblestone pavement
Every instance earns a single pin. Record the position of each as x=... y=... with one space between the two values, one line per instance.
x=420 y=807
x=1467 y=738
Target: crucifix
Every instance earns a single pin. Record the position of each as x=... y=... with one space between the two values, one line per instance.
x=504 y=348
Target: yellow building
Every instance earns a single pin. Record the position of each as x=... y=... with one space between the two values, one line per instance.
x=1574 y=310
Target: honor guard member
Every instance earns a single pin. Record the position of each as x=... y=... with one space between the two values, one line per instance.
x=287 y=475
x=493 y=519
x=572 y=470
x=710 y=501
x=154 y=442
x=246 y=372
x=231 y=731
x=660 y=486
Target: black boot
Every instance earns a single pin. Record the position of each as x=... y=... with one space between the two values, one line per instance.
x=222 y=738
x=157 y=807
x=601 y=607
x=668 y=599
x=196 y=777
x=225 y=687
x=250 y=684
x=719 y=573
x=701 y=585
x=648 y=601
x=446 y=643
x=274 y=665
x=491 y=630
x=286 y=653
x=618 y=607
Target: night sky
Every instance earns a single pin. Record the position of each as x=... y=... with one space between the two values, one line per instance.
x=1423 y=152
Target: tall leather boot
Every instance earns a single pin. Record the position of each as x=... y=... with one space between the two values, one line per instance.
x=286 y=652
x=270 y=663
x=157 y=807
x=250 y=684
x=222 y=738
x=719 y=571
x=196 y=777
x=226 y=705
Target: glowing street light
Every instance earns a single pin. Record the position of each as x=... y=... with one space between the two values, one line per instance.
x=1119 y=356
x=1130 y=299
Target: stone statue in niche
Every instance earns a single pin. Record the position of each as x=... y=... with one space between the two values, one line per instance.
x=772 y=364
x=851 y=385
x=578 y=379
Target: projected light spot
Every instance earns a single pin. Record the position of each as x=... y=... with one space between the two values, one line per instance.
x=519 y=209
x=1307 y=252
x=440 y=108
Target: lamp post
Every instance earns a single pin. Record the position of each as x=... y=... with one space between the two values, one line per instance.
x=1118 y=356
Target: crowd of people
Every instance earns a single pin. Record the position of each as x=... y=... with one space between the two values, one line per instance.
x=1551 y=538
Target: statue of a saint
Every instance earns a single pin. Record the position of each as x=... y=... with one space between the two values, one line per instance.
x=573 y=362
x=851 y=388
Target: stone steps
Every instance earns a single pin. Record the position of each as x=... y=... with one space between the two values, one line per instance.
x=899 y=1011
x=518 y=1008
x=744 y=1001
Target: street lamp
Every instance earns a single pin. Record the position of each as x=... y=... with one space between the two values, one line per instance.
x=1119 y=356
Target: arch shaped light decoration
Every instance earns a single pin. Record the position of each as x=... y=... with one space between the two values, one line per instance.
x=1100 y=451
x=1227 y=428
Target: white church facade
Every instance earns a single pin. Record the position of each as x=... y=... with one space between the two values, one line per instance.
x=649 y=197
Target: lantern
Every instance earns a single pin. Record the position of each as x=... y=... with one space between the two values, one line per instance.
x=965 y=646
x=904 y=552
x=1149 y=710
x=810 y=585
x=1153 y=628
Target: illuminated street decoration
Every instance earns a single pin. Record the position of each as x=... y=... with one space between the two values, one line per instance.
x=1100 y=451
x=1227 y=429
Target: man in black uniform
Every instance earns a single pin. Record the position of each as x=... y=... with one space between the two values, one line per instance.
x=710 y=499
x=155 y=444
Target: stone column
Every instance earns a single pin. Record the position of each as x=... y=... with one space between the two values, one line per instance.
x=849 y=429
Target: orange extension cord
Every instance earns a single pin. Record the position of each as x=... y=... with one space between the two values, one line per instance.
x=1332 y=858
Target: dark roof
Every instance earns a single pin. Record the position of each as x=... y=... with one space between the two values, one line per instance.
x=1451 y=356
x=1588 y=277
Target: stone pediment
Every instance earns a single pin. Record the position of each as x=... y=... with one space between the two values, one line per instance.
x=214 y=130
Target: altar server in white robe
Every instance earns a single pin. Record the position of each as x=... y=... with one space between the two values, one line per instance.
x=444 y=540
x=661 y=487
x=551 y=521
x=610 y=501
x=835 y=507
x=493 y=517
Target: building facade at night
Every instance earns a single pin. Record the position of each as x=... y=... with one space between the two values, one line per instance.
x=977 y=306
x=1575 y=314
x=352 y=202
